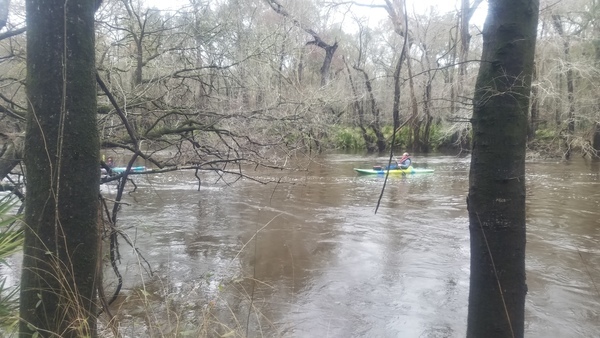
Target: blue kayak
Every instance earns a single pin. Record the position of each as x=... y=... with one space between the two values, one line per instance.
x=120 y=170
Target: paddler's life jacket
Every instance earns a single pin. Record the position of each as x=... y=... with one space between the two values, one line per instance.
x=405 y=162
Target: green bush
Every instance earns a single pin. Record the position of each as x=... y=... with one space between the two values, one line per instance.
x=351 y=138
x=436 y=136
x=545 y=134
x=348 y=138
x=401 y=137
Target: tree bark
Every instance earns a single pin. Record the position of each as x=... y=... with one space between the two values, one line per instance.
x=496 y=200
x=61 y=157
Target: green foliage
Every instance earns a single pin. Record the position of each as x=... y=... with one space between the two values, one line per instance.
x=401 y=137
x=545 y=134
x=11 y=241
x=11 y=238
x=348 y=138
x=351 y=138
x=436 y=136
x=104 y=109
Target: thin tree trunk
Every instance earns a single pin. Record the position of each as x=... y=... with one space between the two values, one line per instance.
x=329 y=49
x=452 y=72
x=570 y=130
x=58 y=284
x=359 y=109
x=139 y=66
x=596 y=140
x=428 y=118
x=496 y=200
x=558 y=107
x=465 y=39
x=535 y=107
x=375 y=125
x=466 y=12
x=201 y=93
x=423 y=145
x=300 y=68
x=400 y=28
x=414 y=108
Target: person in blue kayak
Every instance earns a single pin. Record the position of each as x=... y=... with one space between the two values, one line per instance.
x=399 y=163
x=405 y=161
x=110 y=163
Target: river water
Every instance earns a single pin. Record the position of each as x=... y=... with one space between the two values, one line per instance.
x=310 y=257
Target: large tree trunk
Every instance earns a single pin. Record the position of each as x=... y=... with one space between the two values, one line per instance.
x=496 y=201
x=61 y=158
x=325 y=68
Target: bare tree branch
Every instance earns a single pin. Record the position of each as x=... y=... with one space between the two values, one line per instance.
x=10 y=34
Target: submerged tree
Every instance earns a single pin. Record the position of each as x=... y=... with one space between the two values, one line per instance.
x=496 y=199
x=61 y=156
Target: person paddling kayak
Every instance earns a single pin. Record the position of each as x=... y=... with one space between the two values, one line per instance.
x=405 y=161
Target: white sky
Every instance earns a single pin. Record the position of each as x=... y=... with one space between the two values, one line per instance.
x=419 y=6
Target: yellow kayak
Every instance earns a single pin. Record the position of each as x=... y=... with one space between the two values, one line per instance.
x=381 y=171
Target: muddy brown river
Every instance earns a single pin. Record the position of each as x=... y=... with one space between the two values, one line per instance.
x=309 y=257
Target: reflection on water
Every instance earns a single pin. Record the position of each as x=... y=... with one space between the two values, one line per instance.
x=318 y=262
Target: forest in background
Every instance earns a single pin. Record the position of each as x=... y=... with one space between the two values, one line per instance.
x=216 y=82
